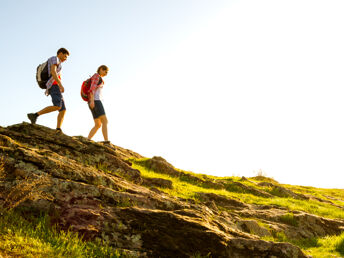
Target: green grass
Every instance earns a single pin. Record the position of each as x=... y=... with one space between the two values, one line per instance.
x=289 y=219
x=33 y=237
x=304 y=244
x=188 y=190
x=317 y=247
x=336 y=196
x=276 y=237
x=330 y=246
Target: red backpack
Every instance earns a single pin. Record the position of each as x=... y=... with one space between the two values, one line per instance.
x=85 y=88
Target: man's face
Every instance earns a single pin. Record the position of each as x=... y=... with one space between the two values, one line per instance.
x=62 y=57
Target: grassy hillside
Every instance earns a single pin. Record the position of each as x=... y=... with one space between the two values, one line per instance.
x=32 y=237
x=57 y=191
x=327 y=203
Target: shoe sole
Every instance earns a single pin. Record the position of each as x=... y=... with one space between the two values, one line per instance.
x=31 y=120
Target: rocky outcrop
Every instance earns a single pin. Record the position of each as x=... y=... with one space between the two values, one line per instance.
x=90 y=188
x=296 y=224
x=222 y=200
x=282 y=191
x=160 y=165
x=242 y=188
x=251 y=226
x=157 y=182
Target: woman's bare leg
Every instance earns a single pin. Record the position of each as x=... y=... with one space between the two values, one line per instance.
x=97 y=125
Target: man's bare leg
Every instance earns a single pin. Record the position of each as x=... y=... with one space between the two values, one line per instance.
x=60 y=118
x=33 y=116
x=48 y=110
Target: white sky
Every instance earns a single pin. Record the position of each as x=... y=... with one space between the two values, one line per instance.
x=215 y=87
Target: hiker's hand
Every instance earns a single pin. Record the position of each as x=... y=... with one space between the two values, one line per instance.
x=61 y=88
x=92 y=104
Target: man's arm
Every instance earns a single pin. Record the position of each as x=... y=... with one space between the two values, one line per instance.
x=55 y=76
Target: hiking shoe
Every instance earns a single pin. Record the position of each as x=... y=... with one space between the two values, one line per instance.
x=109 y=144
x=32 y=117
x=58 y=130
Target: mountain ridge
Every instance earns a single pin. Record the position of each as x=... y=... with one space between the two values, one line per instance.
x=114 y=195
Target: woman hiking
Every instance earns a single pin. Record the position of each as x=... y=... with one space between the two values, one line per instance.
x=95 y=103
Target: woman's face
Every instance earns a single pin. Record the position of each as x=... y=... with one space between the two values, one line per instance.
x=103 y=73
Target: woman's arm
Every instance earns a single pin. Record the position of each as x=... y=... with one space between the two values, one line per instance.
x=91 y=100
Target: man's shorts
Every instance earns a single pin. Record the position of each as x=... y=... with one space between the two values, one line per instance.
x=98 y=109
x=57 y=97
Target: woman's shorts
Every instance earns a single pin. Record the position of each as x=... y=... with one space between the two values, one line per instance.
x=57 y=97
x=98 y=109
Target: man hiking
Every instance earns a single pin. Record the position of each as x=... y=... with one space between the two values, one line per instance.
x=54 y=89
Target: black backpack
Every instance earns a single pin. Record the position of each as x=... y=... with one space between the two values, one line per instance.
x=42 y=75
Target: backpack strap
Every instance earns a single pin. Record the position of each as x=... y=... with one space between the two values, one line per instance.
x=100 y=80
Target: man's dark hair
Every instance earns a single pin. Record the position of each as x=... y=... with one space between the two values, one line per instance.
x=63 y=51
